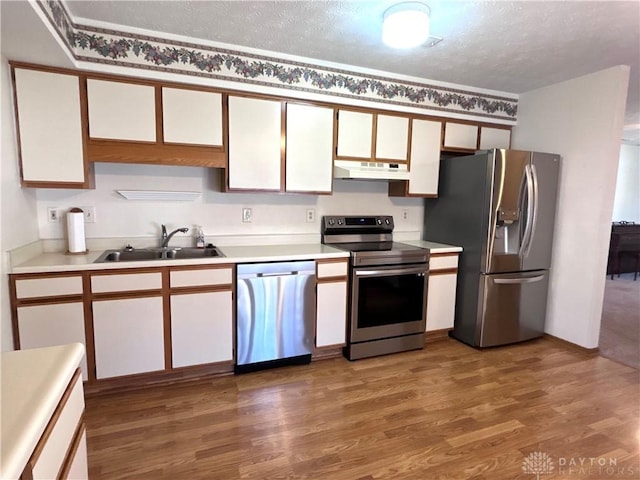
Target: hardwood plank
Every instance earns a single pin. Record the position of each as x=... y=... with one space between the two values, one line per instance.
x=446 y=412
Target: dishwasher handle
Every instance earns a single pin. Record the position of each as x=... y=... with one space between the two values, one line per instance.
x=279 y=274
x=276 y=269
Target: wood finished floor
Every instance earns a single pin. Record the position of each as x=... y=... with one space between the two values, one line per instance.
x=445 y=412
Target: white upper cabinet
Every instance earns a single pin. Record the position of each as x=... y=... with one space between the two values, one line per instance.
x=255 y=128
x=355 y=134
x=121 y=111
x=425 y=157
x=309 y=159
x=191 y=116
x=460 y=135
x=392 y=137
x=50 y=128
x=494 y=138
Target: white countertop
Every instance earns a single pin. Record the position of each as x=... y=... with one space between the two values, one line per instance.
x=60 y=262
x=33 y=382
x=434 y=247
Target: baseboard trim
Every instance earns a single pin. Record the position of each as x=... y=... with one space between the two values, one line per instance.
x=437 y=335
x=573 y=346
x=324 y=353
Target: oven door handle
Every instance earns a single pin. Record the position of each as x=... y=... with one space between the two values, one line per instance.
x=395 y=271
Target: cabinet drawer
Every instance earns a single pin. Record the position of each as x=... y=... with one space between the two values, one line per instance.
x=48 y=287
x=332 y=269
x=126 y=282
x=195 y=278
x=439 y=262
x=53 y=447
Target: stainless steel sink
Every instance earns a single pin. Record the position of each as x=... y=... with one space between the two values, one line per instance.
x=146 y=254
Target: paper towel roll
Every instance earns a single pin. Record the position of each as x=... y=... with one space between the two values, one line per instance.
x=75 y=231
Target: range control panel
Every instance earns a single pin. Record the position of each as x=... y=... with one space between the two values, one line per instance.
x=363 y=224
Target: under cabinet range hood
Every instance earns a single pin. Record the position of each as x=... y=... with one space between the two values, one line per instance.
x=364 y=170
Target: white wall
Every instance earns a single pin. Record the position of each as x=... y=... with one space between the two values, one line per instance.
x=218 y=213
x=626 y=205
x=582 y=120
x=19 y=224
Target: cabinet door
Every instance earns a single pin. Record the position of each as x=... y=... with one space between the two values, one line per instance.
x=309 y=159
x=441 y=301
x=201 y=328
x=392 y=136
x=254 y=144
x=425 y=157
x=331 y=315
x=191 y=116
x=494 y=138
x=355 y=134
x=129 y=336
x=460 y=135
x=52 y=324
x=50 y=129
x=121 y=111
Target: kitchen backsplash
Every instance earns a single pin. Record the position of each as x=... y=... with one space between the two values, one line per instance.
x=219 y=214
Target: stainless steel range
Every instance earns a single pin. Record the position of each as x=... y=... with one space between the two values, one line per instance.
x=387 y=285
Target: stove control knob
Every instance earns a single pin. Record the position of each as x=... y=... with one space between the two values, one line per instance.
x=379 y=222
x=331 y=221
x=387 y=221
x=340 y=221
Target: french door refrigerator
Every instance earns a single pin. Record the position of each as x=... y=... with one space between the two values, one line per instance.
x=499 y=206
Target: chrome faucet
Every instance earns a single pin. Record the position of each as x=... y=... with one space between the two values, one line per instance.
x=166 y=238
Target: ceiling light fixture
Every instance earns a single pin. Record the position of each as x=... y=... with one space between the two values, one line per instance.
x=406 y=25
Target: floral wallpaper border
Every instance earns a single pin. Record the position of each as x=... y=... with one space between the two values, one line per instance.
x=124 y=49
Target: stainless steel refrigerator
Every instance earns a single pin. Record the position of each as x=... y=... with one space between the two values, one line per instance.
x=499 y=206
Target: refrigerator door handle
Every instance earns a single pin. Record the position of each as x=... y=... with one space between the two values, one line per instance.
x=512 y=281
x=526 y=237
x=534 y=209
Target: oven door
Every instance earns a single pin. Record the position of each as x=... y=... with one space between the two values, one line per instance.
x=388 y=301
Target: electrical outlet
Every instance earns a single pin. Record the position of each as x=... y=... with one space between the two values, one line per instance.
x=247 y=215
x=52 y=215
x=89 y=214
x=311 y=215
x=405 y=215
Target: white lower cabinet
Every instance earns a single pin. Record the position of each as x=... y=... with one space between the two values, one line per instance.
x=201 y=328
x=52 y=324
x=79 y=467
x=129 y=336
x=441 y=292
x=331 y=315
x=441 y=301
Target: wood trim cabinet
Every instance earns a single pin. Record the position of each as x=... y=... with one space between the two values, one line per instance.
x=441 y=291
x=331 y=313
x=424 y=169
x=366 y=135
x=152 y=321
x=62 y=450
x=48 y=309
x=460 y=136
x=202 y=315
x=49 y=122
x=309 y=146
x=493 y=137
x=255 y=133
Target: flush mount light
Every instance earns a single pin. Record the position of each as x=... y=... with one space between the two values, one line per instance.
x=406 y=25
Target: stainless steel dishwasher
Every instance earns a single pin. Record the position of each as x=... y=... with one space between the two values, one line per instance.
x=276 y=304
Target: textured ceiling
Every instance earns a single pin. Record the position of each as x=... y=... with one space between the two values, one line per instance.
x=501 y=45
